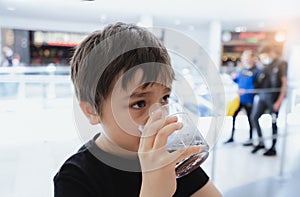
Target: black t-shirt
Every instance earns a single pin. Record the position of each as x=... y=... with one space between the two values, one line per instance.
x=85 y=175
x=270 y=77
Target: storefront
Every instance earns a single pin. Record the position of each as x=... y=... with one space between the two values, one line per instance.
x=234 y=43
x=37 y=48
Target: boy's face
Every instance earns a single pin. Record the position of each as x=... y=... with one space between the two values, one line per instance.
x=127 y=109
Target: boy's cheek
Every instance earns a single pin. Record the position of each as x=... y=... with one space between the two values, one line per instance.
x=128 y=125
x=140 y=118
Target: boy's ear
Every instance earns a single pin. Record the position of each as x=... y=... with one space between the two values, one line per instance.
x=90 y=113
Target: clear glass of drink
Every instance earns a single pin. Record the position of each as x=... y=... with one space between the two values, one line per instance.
x=188 y=135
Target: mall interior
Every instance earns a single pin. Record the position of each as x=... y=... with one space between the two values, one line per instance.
x=40 y=121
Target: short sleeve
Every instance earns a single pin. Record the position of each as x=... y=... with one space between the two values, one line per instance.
x=189 y=184
x=237 y=78
x=283 y=69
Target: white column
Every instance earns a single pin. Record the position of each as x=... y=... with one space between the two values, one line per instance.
x=294 y=62
x=215 y=31
x=292 y=52
x=0 y=44
x=214 y=50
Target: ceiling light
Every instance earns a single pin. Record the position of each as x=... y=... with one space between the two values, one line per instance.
x=240 y=29
x=280 y=36
x=88 y=1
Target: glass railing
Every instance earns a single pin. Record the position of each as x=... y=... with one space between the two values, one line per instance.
x=35 y=82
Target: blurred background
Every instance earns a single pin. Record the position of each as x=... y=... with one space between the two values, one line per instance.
x=37 y=128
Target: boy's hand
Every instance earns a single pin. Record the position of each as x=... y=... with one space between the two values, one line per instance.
x=158 y=165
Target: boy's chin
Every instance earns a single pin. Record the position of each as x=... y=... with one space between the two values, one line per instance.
x=132 y=144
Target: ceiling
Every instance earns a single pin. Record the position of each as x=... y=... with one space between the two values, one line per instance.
x=254 y=14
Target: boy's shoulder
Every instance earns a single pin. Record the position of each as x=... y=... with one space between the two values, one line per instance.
x=78 y=164
x=80 y=172
x=84 y=159
x=85 y=173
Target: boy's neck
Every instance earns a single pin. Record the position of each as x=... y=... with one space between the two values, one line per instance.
x=108 y=146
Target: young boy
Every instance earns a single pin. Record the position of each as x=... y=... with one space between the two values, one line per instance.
x=120 y=74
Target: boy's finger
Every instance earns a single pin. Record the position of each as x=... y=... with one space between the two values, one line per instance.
x=163 y=134
x=149 y=133
x=151 y=128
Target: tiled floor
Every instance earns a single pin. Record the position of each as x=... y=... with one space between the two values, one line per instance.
x=36 y=137
x=271 y=186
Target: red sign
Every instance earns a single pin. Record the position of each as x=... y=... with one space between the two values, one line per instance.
x=257 y=35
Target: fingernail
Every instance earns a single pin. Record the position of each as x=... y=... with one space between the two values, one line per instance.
x=180 y=124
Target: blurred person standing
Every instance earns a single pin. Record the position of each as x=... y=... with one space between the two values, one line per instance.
x=245 y=79
x=273 y=82
x=8 y=56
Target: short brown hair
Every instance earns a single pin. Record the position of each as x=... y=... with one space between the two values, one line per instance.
x=106 y=54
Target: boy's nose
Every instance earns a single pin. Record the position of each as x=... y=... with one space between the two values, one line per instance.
x=153 y=108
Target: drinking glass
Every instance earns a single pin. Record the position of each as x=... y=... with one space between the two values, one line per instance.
x=188 y=135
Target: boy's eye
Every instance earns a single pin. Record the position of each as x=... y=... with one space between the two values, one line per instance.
x=139 y=104
x=165 y=99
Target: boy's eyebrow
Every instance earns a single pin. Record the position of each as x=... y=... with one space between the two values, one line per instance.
x=143 y=94
x=167 y=89
x=139 y=94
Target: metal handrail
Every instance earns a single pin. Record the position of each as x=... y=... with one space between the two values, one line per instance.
x=49 y=69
